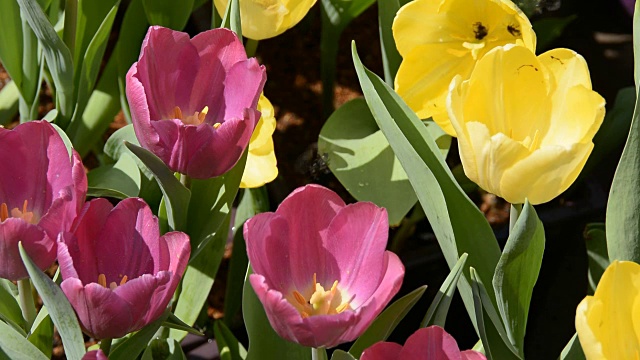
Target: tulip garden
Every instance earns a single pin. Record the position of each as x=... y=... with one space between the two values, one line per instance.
x=334 y=179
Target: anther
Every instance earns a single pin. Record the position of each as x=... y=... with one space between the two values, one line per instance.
x=102 y=280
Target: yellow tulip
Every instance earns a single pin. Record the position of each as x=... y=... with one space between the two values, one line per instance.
x=608 y=323
x=439 y=39
x=525 y=124
x=263 y=19
x=261 y=161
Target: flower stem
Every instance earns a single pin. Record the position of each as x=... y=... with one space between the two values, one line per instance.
x=105 y=346
x=28 y=306
x=318 y=353
x=514 y=213
x=250 y=47
x=185 y=180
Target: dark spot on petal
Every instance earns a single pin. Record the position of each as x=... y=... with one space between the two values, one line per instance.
x=480 y=30
x=513 y=30
x=558 y=59
x=531 y=66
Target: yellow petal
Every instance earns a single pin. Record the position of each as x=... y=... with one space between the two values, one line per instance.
x=261 y=165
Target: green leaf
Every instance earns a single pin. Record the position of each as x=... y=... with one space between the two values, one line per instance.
x=596 y=241
x=11 y=40
x=9 y=96
x=168 y=13
x=342 y=12
x=14 y=346
x=228 y=346
x=264 y=342
x=458 y=224
x=341 y=355
x=120 y=180
x=623 y=206
x=115 y=145
x=165 y=349
x=173 y=322
x=60 y=310
x=573 y=350
x=437 y=312
x=9 y=308
x=131 y=347
x=176 y=195
x=386 y=322
x=517 y=273
x=56 y=53
x=41 y=334
x=90 y=16
x=391 y=58
x=232 y=19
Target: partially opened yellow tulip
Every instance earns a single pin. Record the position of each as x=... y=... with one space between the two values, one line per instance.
x=261 y=161
x=608 y=323
x=439 y=39
x=525 y=124
x=264 y=19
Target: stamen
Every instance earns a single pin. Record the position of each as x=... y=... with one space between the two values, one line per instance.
x=102 y=280
x=124 y=280
x=177 y=113
x=334 y=287
x=24 y=207
x=342 y=307
x=203 y=114
x=216 y=125
x=4 y=212
x=299 y=298
x=113 y=285
x=304 y=314
x=315 y=280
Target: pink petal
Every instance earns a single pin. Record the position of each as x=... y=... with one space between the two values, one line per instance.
x=432 y=343
x=138 y=293
x=38 y=245
x=382 y=351
x=79 y=182
x=140 y=113
x=242 y=88
x=357 y=242
x=95 y=355
x=472 y=355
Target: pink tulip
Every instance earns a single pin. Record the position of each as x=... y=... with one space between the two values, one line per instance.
x=42 y=190
x=431 y=343
x=320 y=266
x=95 y=355
x=193 y=101
x=119 y=273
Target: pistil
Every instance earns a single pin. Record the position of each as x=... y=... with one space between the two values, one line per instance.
x=320 y=302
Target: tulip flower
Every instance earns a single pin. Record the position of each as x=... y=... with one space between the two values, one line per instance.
x=608 y=323
x=119 y=273
x=441 y=39
x=265 y=19
x=525 y=124
x=431 y=343
x=42 y=190
x=193 y=101
x=320 y=267
x=261 y=161
x=95 y=355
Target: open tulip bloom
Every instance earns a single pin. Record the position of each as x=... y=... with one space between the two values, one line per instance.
x=119 y=273
x=320 y=267
x=525 y=124
x=431 y=343
x=41 y=191
x=193 y=101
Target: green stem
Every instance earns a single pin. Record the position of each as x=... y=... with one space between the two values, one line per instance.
x=216 y=20
x=185 y=180
x=105 y=346
x=514 y=213
x=251 y=46
x=28 y=306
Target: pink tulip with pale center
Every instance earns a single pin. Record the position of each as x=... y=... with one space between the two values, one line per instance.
x=42 y=189
x=193 y=101
x=119 y=273
x=320 y=267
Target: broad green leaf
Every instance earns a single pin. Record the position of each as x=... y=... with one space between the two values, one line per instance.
x=165 y=349
x=168 y=13
x=90 y=16
x=341 y=355
x=60 y=310
x=595 y=239
x=457 y=222
x=115 y=145
x=228 y=346
x=517 y=273
x=11 y=40
x=623 y=206
x=173 y=322
x=41 y=334
x=9 y=96
x=232 y=18
x=120 y=180
x=437 y=312
x=341 y=12
x=391 y=58
x=264 y=342
x=386 y=322
x=56 y=53
x=573 y=350
x=9 y=308
x=14 y=346
x=176 y=195
x=132 y=346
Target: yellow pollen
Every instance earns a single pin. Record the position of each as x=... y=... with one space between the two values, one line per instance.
x=342 y=307
x=318 y=301
x=196 y=119
x=102 y=280
x=23 y=214
x=124 y=280
x=216 y=125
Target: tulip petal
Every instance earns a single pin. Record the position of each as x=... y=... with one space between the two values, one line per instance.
x=431 y=343
x=95 y=355
x=242 y=88
x=41 y=249
x=139 y=294
x=472 y=355
x=382 y=351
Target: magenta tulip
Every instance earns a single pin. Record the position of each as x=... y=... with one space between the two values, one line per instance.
x=193 y=101
x=95 y=355
x=431 y=343
x=42 y=190
x=119 y=273
x=320 y=267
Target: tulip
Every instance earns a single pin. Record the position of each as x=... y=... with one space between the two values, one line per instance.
x=42 y=190
x=525 y=124
x=608 y=323
x=95 y=355
x=441 y=39
x=119 y=273
x=261 y=160
x=265 y=19
x=320 y=267
x=193 y=101
x=431 y=343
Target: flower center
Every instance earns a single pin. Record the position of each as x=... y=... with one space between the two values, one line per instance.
x=23 y=214
x=320 y=302
x=102 y=280
x=196 y=119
